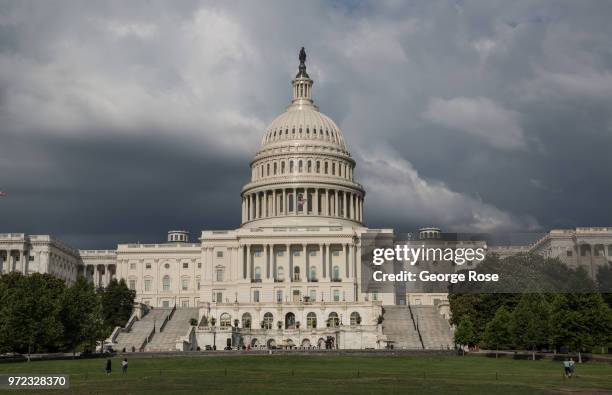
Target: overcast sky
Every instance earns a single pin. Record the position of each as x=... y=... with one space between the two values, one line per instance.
x=121 y=120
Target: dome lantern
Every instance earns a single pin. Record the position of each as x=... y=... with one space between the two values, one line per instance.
x=302 y=84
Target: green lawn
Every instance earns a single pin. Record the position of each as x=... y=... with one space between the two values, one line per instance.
x=320 y=374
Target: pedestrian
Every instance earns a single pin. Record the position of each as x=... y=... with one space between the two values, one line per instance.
x=567 y=367
x=572 y=367
x=108 y=366
x=124 y=365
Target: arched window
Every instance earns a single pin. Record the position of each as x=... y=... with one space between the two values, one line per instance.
x=332 y=320
x=246 y=320
x=355 y=318
x=309 y=166
x=166 y=283
x=268 y=169
x=300 y=168
x=268 y=321
x=336 y=271
x=296 y=273
x=290 y=166
x=257 y=273
x=326 y=167
x=313 y=273
x=318 y=166
x=225 y=321
x=280 y=273
x=334 y=168
x=282 y=167
x=274 y=168
x=311 y=320
x=290 y=202
x=290 y=321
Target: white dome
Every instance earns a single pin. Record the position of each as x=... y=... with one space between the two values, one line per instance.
x=303 y=122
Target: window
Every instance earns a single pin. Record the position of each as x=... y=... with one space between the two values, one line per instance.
x=311 y=320
x=336 y=295
x=219 y=254
x=336 y=252
x=312 y=253
x=309 y=165
x=279 y=296
x=166 y=303
x=256 y=296
x=132 y=284
x=166 y=283
x=268 y=321
x=313 y=295
x=185 y=265
x=218 y=297
x=132 y=266
x=148 y=265
x=184 y=303
x=336 y=275
x=225 y=321
x=280 y=253
x=280 y=273
x=332 y=320
x=326 y=167
x=147 y=285
x=296 y=253
x=569 y=252
x=355 y=318
x=257 y=253
x=167 y=266
x=318 y=166
x=257 y=273
x=246 y=320
x=198 y=283
x=375 y=297
x=220 y=275
x=296 y=273
x=313 y=273
x=185 y=284
x=199 y=265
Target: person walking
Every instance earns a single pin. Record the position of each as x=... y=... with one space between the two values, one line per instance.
x=567 y=367
x=108 y=366
x=124 y=365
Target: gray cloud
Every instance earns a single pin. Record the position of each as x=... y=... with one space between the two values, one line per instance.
x=121 y=120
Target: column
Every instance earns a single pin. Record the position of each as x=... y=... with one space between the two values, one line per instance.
x=290 y=261
x=273 y=261
x=351 y=260
x=243 y=262
x=306 y=262
x=24 y=261
x=327 y=211
x=251 y=211
x=248 y=261
x=344 y=208
x=284 y=201
x=274 y=212
x=315 y=203
x=323 y=271
x=106 y=275
x=267 y=255
x=330 y=255
x=346 y=260
x=295 y=211
x=336 y=213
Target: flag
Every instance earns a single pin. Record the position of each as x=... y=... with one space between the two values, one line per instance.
x=300 y=201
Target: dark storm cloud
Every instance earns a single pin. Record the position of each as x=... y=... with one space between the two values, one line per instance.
x=119 y=121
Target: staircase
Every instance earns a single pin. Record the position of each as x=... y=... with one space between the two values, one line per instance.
x=141 y=329
x=176 y=327
x=434 y=329
x=400 y=329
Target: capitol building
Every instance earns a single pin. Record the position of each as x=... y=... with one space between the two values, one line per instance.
x=289 y=276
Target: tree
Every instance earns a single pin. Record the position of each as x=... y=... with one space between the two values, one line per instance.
x=530 y=322
x=464 y=335
x=29 y=313
x=117 y=303
x=580 y=321
x=81 y=314
x=497 y=332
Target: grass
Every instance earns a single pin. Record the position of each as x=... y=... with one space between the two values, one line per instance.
x=319 y=374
